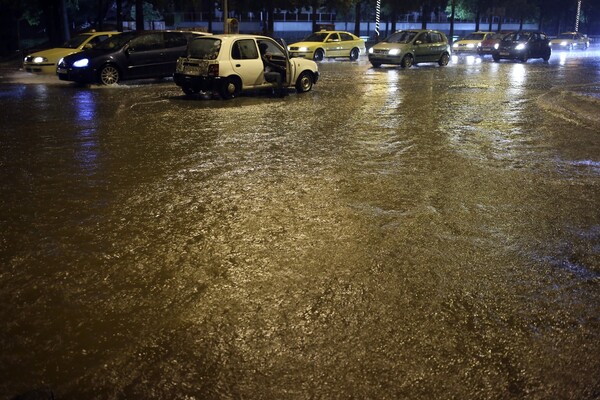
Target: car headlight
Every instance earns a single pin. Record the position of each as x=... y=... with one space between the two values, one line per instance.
x=496 y=46
x=455 y=45
x=521 y=46
x=394 y=52
x=303 y=49
x=371 y=50
x=39 y=60
x=470 y=45
x=563 y=43
x=84 y=62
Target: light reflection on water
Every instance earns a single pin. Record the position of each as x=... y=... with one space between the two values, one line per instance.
x=355 y=241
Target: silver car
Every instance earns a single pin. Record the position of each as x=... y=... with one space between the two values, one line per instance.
x=408 y=47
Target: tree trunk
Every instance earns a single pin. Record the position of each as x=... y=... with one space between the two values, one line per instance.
x=452 y=13
x=119 y=16
x=357 y=17
x=139 y=15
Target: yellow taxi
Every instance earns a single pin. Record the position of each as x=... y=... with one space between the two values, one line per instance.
x=319 y=45
x=44 y=62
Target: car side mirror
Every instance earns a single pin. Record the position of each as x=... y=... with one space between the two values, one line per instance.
x=418 y=42
x=87 y=46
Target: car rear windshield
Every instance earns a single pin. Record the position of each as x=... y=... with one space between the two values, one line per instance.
x=204 y=48
x=400 y=37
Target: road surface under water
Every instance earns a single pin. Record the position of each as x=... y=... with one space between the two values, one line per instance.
x=422 y=233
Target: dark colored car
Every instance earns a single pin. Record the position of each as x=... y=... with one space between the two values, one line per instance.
x=130 y=55
x=410 y=47
x=523 y=45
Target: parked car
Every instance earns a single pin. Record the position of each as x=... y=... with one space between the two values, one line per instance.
x=570 y=41
x=488 y=44
x=45 y=61
x=319 y=45
x=130 y=55
x=523 y=45
x=408 y=47
x=470 y=44
x=230 y=64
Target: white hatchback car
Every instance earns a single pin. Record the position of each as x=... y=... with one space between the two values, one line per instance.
x=229 y=64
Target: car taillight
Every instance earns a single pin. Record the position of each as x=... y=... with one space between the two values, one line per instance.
x=213 y=70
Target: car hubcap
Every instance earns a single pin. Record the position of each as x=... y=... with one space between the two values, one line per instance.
x=109 y=76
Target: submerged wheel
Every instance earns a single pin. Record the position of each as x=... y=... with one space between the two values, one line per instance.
x=189 y=91
x=496 y=57
x=305 y=82
x=375 y=64
x=109 y=75
x=319 y=55
x=354 y=53
x=407 y=61
x=444 y=59
x=230 y=88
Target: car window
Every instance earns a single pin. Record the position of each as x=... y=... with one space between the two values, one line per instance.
x=272 y=49
x=205 y=48
x=435 y=37
x=116 y=41
x=244 y=49
x=475 y=36
x=334 y=37
x=174 y=39
x=423 y=37
x=76 y=41
x=151 y=41
x=346 y=36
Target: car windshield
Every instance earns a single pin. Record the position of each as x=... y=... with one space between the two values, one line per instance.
x=204 y=48
x=75 y=42
x=566 y=36
x=400 y=37
x=316 y=37
x=475 y=36
x=517 y=37
x=115 y=42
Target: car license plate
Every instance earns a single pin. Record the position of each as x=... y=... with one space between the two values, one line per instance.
x=191 y=70
x=503 y=53
x=61 y=70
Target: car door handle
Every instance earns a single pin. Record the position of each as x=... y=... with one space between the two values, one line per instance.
x=238 y=65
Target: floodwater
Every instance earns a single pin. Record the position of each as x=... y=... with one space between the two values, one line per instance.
x=430 y=233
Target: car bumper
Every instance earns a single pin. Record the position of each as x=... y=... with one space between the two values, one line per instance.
x=385 y=59
x=198 y=83
x=36 y=68
x=81 y=75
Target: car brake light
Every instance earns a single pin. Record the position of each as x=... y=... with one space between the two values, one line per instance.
x=213 y=70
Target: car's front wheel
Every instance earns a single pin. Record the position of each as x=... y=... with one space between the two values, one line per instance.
x=407 y=61
x=319 y=55
x=496 y=57
x=109 y=75
x=305 y=82
x=354 y=53
x=230 y=88
x=444 y=59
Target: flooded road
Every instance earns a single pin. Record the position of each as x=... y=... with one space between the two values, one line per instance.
x=393 y=234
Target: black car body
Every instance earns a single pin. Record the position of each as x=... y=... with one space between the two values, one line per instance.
x=523 y=45
x=130 y=55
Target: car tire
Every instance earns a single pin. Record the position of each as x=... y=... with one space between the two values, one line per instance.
x=109 y=75
x=319 y=55
x=495 y=57
x=407 y=61
x=230 y=88
x=444 y=59
x=354 y=53
x=547 y=56
x=375 y=64
x=305 y=82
